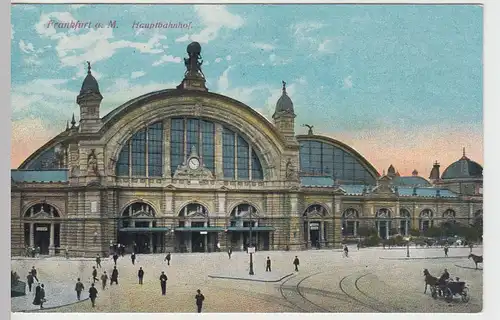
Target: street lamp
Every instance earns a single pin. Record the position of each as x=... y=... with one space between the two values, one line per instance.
x=250 y=246
x=408 y=249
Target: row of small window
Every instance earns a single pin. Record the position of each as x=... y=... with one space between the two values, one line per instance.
x=144 y=151
x=324 y=159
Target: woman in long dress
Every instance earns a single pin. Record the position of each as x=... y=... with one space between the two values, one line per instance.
x=37 y=299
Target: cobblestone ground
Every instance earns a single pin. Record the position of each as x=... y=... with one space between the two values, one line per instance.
x=369 y=280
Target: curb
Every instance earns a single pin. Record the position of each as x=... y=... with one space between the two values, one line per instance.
x=254 y=280
x=426 y=258
x=51 y=308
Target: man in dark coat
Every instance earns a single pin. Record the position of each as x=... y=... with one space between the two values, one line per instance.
x=163 y=283
x=167 y=258
x=140 y=274
x=268 y=265
x=115 y=257
x=296 y=263
x=92 y=294
x=229 y=252
x=30 y=280
x=33 y=273
x=36 y=301
x=104 y=280
x=98 y=261
x=132 y=256
x=94 y=275
x=199 y=300
x=42 y=296
x=79 y=288
x=114 y=276
x=446 y=250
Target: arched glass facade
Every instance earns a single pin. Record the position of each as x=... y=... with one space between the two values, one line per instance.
x=142 y=154
x=47 y=160
x=319 y=158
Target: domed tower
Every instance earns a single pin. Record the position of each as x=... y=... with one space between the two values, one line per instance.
x=89 y=101
x=464 y=176
x=284 y=116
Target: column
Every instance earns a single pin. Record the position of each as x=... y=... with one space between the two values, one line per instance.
x=166 y=149
x=51 y=244
x=321 y=233
x=218 y=151
x=132 y=223
x=355 y=228
x=241 y=241
x=308 y=234
x=205 y=236
x=387 y=229
x=32 y=235
x=406 y=227
x=150 y=241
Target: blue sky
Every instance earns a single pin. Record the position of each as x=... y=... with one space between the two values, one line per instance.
x=401 y=84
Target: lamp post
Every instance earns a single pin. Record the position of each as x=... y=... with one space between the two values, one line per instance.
x=408 y=249
x=251 y=251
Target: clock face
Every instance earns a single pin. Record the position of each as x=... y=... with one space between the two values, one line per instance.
x=194 y=163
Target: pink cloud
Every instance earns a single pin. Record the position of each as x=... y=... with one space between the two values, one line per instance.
x=27 y=136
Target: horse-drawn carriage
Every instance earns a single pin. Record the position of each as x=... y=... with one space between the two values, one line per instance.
x=450 y=289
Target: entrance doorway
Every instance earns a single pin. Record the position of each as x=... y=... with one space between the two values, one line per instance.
x=42 y=237
x=197 y=242
x=314 y=234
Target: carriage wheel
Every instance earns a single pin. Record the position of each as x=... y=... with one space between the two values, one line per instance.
x=448 y=295
x=465 y=295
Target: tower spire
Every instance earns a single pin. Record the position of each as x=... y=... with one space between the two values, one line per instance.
x=67 y=125
x=73 y=122
x=88 y=67
x=463 y=151
x=284 y=86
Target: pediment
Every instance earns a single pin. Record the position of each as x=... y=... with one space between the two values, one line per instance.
x=382 y=189
x=170 y=187
x=197 y=215
x=42 y=215
x=142 y=214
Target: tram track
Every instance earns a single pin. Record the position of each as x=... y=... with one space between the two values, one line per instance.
x=298 y=299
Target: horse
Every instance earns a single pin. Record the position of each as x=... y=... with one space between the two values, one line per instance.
x=476 y=259
x=429 y=280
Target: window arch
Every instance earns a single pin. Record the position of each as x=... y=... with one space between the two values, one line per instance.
x=426 y=219
x=350 y=223
x=45 y=161
x=383 y=223
x=138 y=215
x=449 y=215
x=41 y=210
x=317 y=210
x=194 y=215
x=320 y=158
x=142 y=154
x=243 y=215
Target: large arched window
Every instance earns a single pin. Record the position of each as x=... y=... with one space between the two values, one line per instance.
x=243 y=215
x=45 y=161
x=138 y=215
x=449 y=216
x=315 y=226
x=142 y=155
x=383 y=223
x=404 y=222
x=239 y=160
x=319 y=158
x=41 y=227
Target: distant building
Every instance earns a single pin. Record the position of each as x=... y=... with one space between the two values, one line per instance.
x=183 y=169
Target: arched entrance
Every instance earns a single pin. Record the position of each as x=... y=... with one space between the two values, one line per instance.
x=404 y=222
x=350 y=223
x=137 y=229
x=42 y=228
x=426 y=220
x=315 y=226
x=241 y=218
x=192 y=234
x=383 y=223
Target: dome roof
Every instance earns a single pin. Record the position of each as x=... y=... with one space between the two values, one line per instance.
x=463 y=168
x=284 y=103
x=90 y=83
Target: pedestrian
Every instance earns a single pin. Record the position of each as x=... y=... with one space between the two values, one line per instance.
x=66 y=252
x=218 y=246
x=104 y=280
x=229 y=252
x=122 y=250
x=115 y=257
x=167 y=258
x=358 y=245
x=446 y=250
x=36 y=300
x=163 y=283
x=79 y=288
x=471 y=246
x=114 y=276
x=346 y=251
x=268 y=264
x=33 y=273
x=42 y=296
x=30 y=280
x=199 y=300
x=296 y=263
x=132 y=256
x=92 y=294
x=140 y=274
x=94 y=275
x=98 y=261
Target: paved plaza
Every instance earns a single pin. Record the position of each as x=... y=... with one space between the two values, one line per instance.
x=369 y=280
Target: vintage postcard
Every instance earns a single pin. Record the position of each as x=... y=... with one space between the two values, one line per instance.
x=247 y=158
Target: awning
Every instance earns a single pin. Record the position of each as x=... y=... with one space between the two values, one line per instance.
x=199 y=229
x=262 y=228
x=153 y=229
